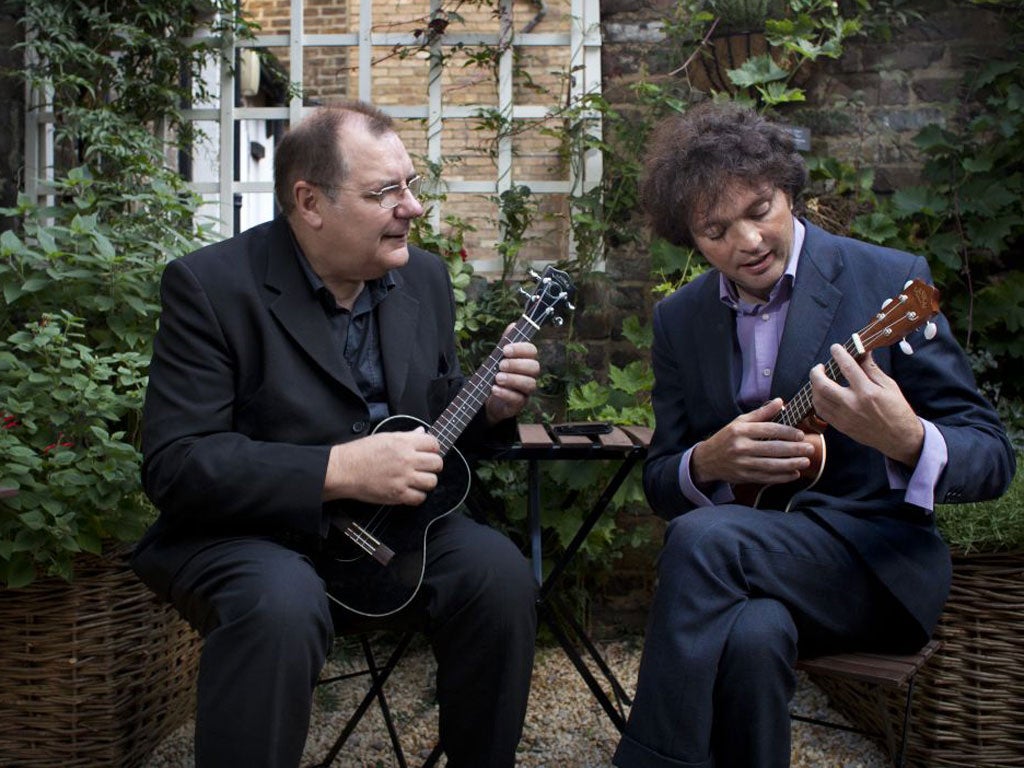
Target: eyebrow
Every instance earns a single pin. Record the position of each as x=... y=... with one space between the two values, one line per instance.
x=763 y=196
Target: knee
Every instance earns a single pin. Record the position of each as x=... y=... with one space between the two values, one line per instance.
x=285 y=605
x=705 y=540
x=763 y=634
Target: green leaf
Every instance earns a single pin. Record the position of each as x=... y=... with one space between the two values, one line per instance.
x=912 y=200
x=10 y=244
x=757 y=70
x=20 y=571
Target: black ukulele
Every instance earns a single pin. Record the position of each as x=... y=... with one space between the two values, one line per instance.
x=375 y=557
x=913 y=307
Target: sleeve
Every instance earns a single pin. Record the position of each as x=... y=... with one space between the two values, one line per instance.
x=196 y=466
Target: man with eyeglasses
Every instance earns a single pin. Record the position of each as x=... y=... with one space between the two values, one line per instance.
x=278 y=353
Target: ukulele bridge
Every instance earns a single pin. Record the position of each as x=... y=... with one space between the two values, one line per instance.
x=369 y=543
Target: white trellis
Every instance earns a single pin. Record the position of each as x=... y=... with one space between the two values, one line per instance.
x=224 y=181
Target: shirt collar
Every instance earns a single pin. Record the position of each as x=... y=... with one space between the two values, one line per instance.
x=372 y=294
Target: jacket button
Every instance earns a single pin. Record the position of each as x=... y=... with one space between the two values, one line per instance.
x=359 y=426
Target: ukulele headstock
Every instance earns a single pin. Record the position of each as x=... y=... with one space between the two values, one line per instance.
x=554 y=290
x=904 y=313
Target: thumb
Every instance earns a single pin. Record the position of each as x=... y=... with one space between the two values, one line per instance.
x=764 y=412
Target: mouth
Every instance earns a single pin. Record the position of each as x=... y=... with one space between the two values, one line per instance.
x=760 y=263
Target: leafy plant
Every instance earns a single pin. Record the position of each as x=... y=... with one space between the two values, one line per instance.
x=79 y=274
x=77 y=479
x=968 y=219
x=796 y=32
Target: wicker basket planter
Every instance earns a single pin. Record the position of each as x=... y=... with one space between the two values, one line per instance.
x=969 y=701
x=93 y=673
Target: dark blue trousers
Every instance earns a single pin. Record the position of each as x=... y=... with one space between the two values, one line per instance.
x=267 y=627
x=739 y=592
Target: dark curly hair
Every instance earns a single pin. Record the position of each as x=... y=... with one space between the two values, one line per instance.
x=693 y=157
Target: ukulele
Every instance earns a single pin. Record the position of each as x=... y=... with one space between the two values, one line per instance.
x=912 y=308
x=374 y=556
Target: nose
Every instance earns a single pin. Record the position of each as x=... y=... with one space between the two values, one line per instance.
x=746 y=235
x=410 y=207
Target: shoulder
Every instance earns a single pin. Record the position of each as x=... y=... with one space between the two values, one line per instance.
x=856 y=254
x=701 y=293
x=225 y=257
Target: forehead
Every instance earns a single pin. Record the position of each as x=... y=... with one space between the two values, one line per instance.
x=373 y=157
x=733 y=199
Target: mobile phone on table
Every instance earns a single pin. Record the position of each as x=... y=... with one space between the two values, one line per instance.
x=587 y=428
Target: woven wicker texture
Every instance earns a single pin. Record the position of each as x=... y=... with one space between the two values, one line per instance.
x=93 y=673
x=968 y=708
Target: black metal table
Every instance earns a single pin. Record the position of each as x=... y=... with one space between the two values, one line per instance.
x=537 y=443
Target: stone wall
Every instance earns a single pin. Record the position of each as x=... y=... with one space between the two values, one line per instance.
x=864 y=108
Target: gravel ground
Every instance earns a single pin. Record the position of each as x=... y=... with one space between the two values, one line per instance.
x=565 y=727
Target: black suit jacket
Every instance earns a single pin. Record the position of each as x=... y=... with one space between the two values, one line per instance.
x=840 y=284
x=248 y=391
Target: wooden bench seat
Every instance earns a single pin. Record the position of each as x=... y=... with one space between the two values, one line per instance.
x=885 y=672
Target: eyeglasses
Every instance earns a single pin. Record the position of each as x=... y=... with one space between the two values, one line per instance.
x=390 y=196
x=387 y=197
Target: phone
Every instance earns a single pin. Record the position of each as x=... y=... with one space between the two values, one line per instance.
x=583 y=428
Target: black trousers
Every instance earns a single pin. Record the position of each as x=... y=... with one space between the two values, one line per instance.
x=267 y=626
x=739 y=591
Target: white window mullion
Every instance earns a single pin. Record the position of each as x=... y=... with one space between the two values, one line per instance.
x=296 y=40
x=226 y=145
x=435 y=107
x=366 y=51
x=505 y=94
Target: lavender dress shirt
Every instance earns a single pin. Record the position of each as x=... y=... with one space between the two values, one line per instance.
x=759 y=330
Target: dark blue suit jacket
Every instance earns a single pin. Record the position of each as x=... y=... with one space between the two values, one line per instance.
x=840 y=284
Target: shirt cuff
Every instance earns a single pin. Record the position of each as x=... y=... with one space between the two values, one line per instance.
x=920 y=484
x=721 y=492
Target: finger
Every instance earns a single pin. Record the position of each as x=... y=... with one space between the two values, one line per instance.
x=514 y=384
x=520 y=349
x=527 y=366
x=848 y=366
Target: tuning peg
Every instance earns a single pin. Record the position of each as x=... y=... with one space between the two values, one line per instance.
x=886 y=303
x=905 y=346
x=534 y=274
x=557 y=321
x=930 y=329
x=525 y=292
x=908 y=284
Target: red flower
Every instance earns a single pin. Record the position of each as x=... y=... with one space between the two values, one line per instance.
x=58 y=444
x=9 y=421
x=464 y=255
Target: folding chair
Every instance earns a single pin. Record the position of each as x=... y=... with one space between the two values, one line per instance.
x=378 y=674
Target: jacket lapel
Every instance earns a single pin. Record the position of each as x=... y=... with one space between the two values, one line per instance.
x=291 y=301
x=396 y=316
x=816 y=300
x=718 y=362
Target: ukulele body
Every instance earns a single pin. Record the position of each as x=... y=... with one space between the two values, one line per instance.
x=363 y=584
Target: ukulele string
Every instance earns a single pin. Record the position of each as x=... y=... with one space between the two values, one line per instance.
x=802 y=403
x=474 y=389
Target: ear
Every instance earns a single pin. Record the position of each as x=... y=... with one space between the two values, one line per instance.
x=308 y=203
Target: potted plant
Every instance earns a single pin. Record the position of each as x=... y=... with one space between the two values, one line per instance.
x=758 y=50
x=93 y=670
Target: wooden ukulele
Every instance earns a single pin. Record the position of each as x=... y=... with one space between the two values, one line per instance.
x=375 y=555
x=912 y=308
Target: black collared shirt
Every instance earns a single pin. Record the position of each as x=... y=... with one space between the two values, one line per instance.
x=356 y=334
